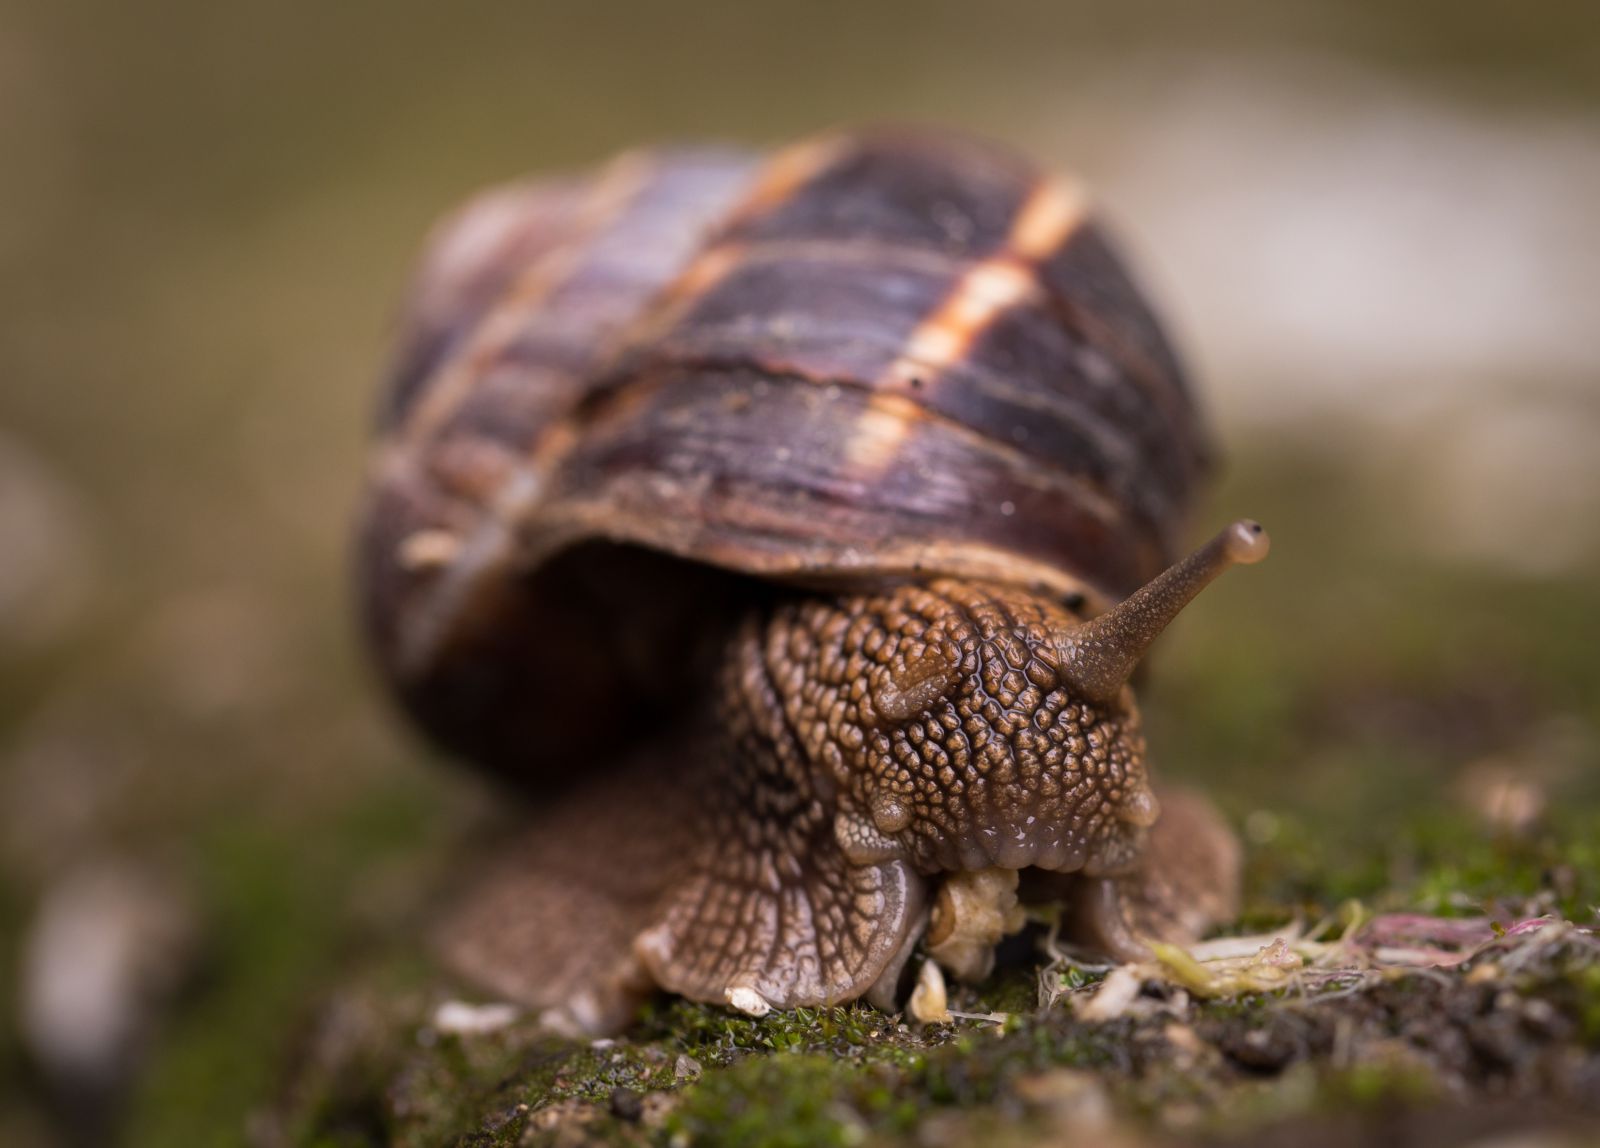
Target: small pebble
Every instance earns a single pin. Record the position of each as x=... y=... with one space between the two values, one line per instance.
x=929 y=1002
x=459 y=1018
x=1118 y=991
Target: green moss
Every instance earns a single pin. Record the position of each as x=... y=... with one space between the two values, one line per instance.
x=786 y=1101
x=273 y=945
x=1378 y=1082
x=714 y=1036
x=881 y=1090
x=1439 y=860
x=1586 y=982
x=1016 y=990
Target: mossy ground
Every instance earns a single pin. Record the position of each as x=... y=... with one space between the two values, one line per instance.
x=1518 y=1044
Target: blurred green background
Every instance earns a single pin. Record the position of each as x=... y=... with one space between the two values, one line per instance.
x=1372 y=225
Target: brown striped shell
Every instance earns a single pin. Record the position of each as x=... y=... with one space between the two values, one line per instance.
x=868 y=358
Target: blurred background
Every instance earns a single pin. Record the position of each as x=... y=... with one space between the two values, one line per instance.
x=1372 y=225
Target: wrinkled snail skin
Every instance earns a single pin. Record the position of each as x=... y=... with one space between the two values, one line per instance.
x=788 y=532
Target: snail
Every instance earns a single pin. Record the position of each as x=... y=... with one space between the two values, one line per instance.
x=786 y=529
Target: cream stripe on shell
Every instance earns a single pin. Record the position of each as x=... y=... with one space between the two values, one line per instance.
x=983 y=294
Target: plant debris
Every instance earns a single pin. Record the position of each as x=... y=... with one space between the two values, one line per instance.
x=1364 y=953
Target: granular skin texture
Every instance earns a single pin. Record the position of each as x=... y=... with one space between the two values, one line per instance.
x=1003 y=766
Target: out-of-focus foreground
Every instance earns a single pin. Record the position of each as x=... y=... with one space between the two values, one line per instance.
x=1372 y=225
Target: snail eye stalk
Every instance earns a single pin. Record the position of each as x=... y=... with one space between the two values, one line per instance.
x=1099 y=657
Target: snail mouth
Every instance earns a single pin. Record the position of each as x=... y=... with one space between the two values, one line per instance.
x=1032 y=843
x=1036 y=843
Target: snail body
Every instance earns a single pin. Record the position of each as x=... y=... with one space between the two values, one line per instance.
x=788 y=528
